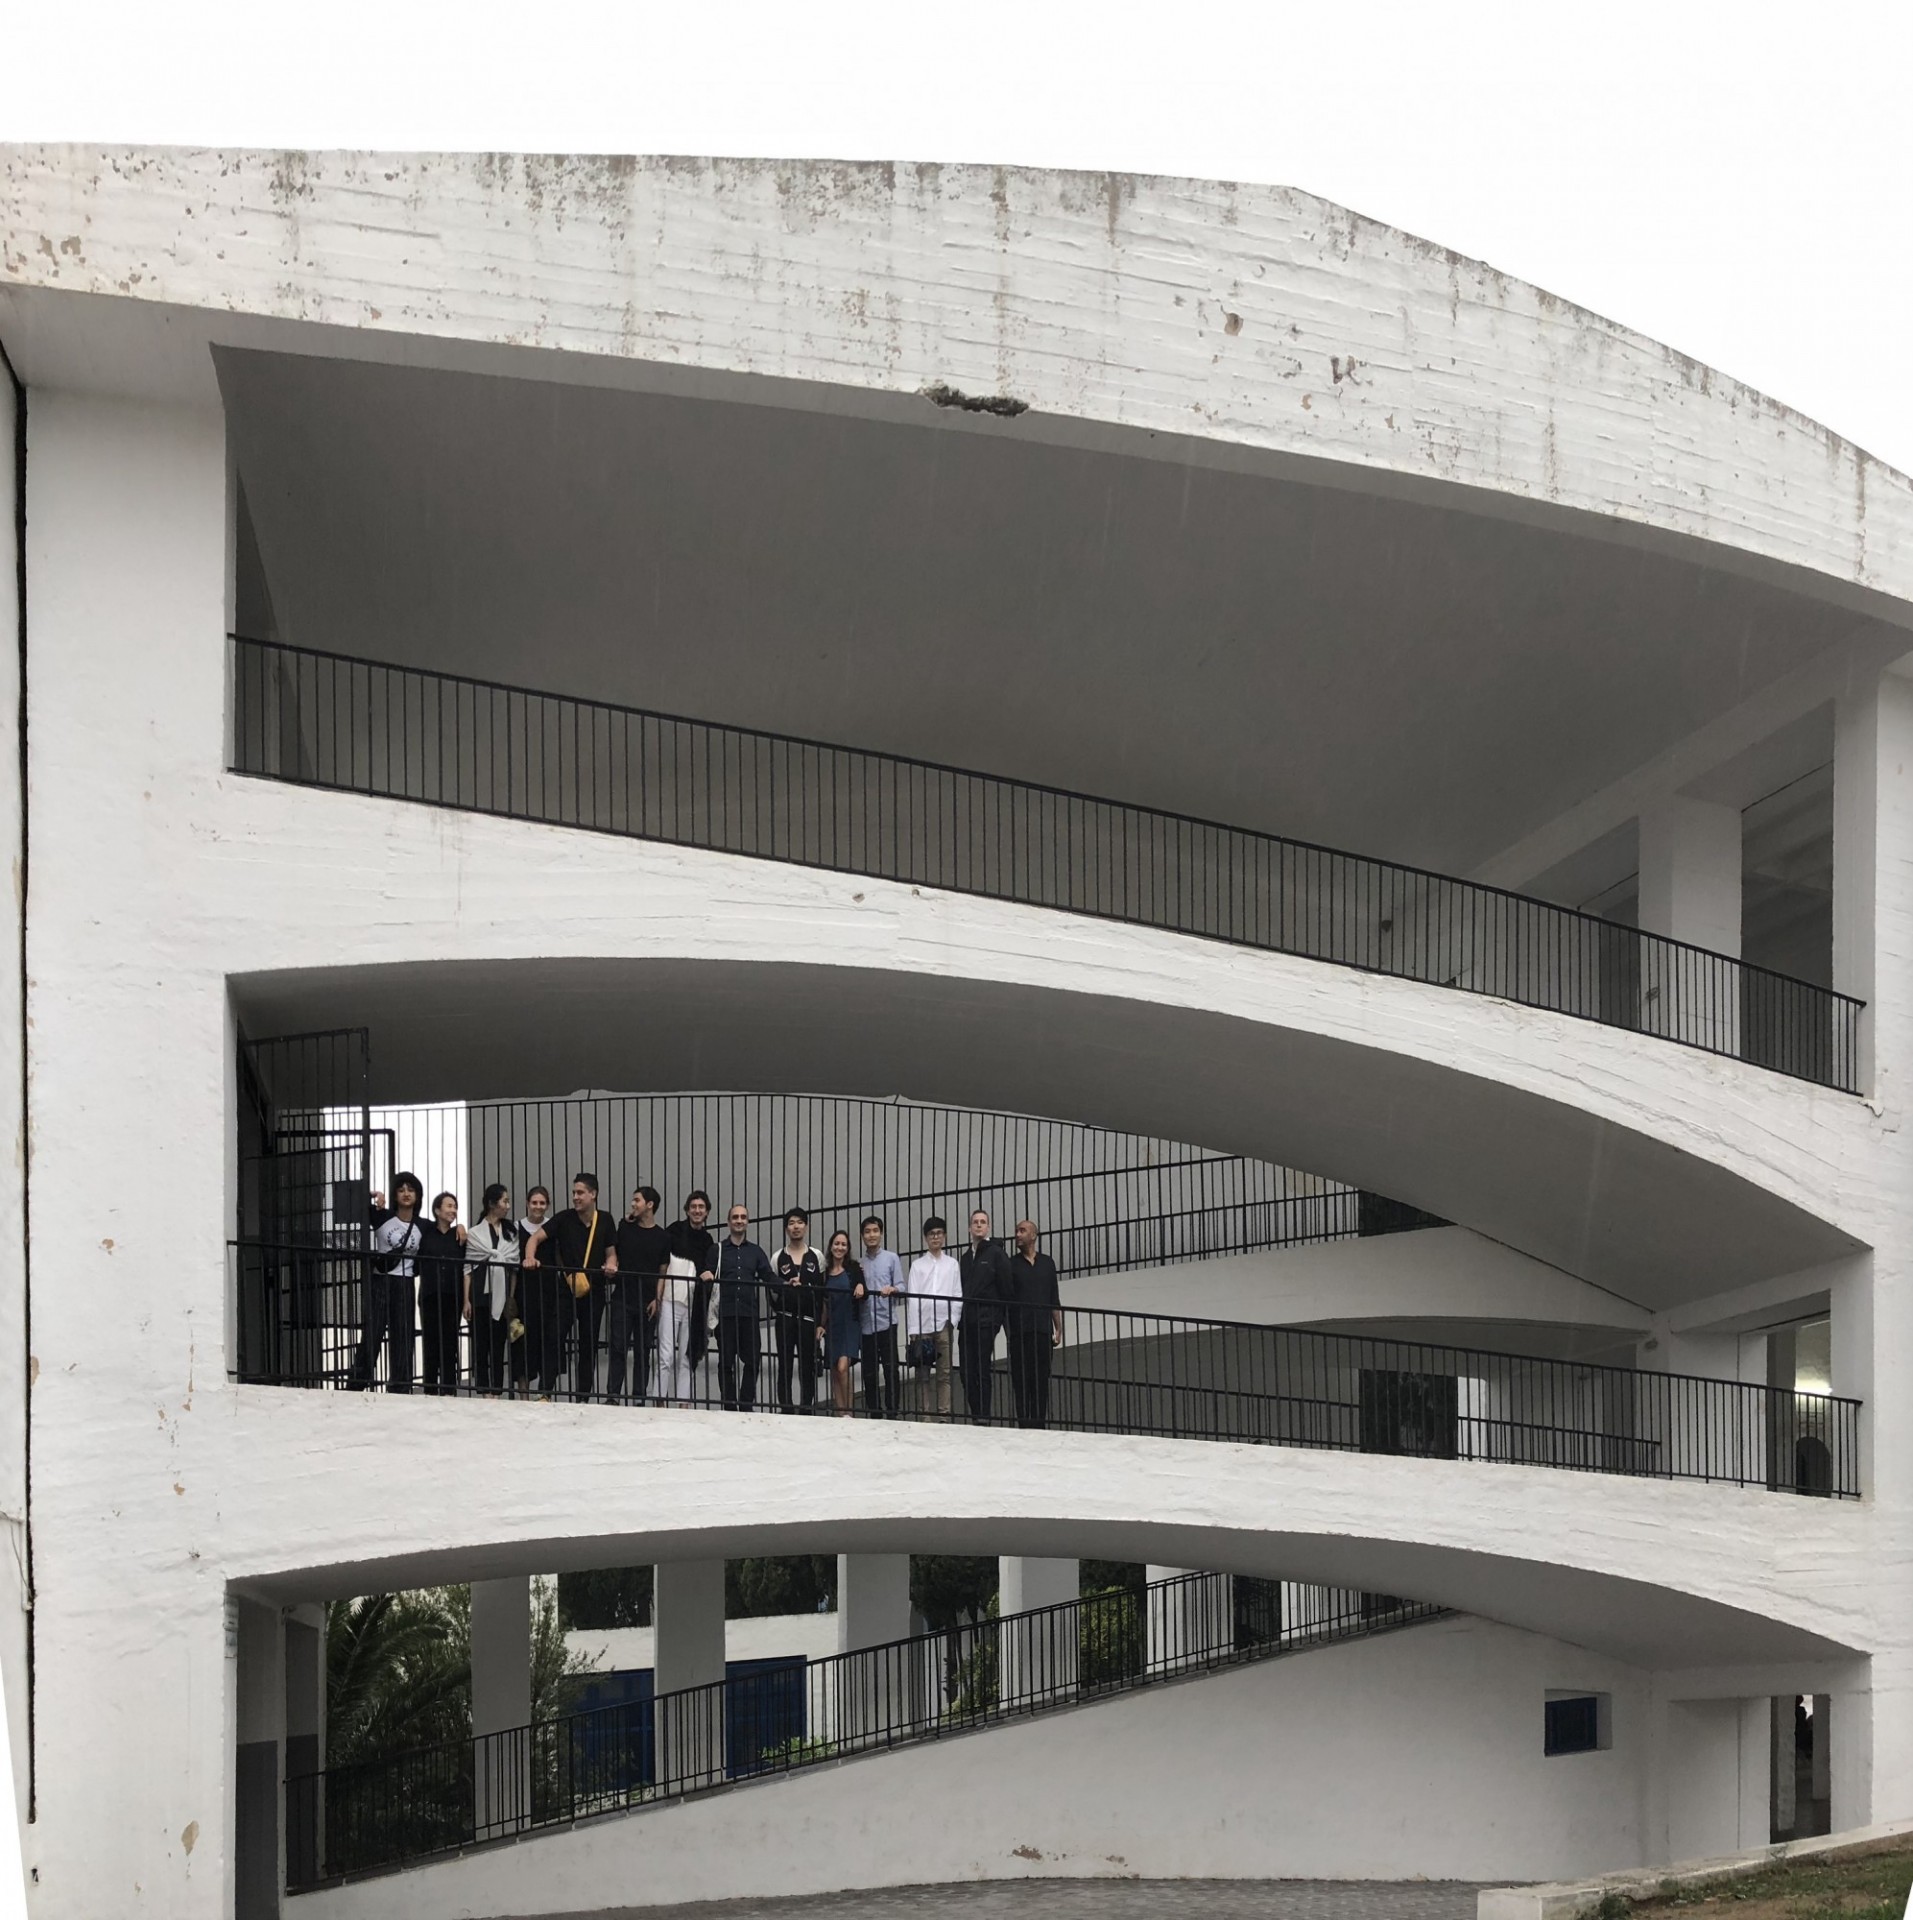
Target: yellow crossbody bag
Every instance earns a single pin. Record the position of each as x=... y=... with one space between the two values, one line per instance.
x=580 y=1279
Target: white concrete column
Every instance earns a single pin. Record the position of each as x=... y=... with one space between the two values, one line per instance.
x=879 y=1693
x=258 y=1834
x=126 y=579
x=15 y=1618
x=1690 y=859
x=873 y=1599
x=1038 y=1658
x=501 y=1705
x=1756 y=1771
x=1871 y=1759
x=305 y=1742
x=1780 y=1762
x=687 y=1613
x=1189 y=1623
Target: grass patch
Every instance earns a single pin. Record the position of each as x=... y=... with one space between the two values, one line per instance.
x=1866 y=1883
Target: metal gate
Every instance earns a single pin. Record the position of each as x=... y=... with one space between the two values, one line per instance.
x=305 y=1175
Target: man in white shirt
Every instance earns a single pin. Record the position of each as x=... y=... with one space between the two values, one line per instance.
x=932 y=1313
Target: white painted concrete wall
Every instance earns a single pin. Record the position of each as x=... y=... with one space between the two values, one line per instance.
x=1236 y=322
x=1415 y=1753
x=15 y=1366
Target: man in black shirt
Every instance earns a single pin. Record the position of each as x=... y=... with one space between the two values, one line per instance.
x=1036 y=1327
x=743 y=1278
x=989 y=1288
x=796 y=1302
x=582 y=1247
x=642 y=1248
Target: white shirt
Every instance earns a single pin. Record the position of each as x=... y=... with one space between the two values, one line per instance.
x=491 y=1245
x=680 y=1283
x=935 y=1287
x=393 y=1236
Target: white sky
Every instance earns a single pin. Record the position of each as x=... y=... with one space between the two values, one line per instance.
x=1734 y=179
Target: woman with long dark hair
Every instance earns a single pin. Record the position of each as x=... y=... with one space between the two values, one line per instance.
x=441 y=1270
x=492 y=1310
x=842 y=1331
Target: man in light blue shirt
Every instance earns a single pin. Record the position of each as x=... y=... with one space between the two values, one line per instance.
x=883 y=1282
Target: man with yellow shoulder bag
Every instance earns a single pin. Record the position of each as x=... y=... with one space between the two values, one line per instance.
x=581 y=1243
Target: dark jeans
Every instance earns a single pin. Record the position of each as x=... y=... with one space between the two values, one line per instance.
x=624 y=1328
x=976 y=1348
x=438 y=1302
x=390 y=1306
x=880 y=1356
x=1032 y=1351
x=796 y=1345
x=737 y=1357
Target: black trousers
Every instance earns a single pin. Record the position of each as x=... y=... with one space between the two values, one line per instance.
x=880 y=1357
x=976 y=1349
x=543 y=1298
x=587 y=1318
x=438 y=1303
x=738 y=1351
x=624 y=1328
x=1032 y=1352
x=796 y=1346
x=390 y=1307
x=492 y=1350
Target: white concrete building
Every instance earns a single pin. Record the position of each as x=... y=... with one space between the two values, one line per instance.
x=1171 y=661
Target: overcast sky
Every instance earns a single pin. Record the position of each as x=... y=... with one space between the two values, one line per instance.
x=1734 y=179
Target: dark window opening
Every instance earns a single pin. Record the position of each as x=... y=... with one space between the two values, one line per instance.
x=1573 y=1724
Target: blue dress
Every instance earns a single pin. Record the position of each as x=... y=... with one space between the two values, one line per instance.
x=843 y=1336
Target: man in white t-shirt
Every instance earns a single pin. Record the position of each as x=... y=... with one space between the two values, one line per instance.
x=932 y=1313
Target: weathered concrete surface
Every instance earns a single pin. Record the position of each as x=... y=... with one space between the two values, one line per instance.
x=1259 y=319
x=1563 y=1900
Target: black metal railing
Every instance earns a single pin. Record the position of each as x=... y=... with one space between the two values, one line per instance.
x=364 y=726
x=381 y=1813
x=341 y=1324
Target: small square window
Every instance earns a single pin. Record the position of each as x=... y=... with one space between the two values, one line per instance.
x=1575 y=1723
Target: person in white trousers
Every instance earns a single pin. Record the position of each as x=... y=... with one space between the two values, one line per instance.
x=676 y=1291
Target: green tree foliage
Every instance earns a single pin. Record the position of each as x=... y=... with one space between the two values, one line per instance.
x=399 y=1670
x=1102 y=1576
x=399 y=1718
x=398 y=1673
x=621 y=1596
x=803 y=1583
x=951 y=1590
x=605 y=1597
x=1112 y=1637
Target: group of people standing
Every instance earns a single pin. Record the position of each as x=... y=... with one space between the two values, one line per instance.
x=544 y=1294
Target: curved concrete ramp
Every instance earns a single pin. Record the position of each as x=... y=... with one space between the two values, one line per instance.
x=1654 y=1170
x=1658 y=1572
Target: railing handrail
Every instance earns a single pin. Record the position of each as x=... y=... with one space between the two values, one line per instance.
x=1399 y=1613
x=1184 y=1323
x=1072 y=796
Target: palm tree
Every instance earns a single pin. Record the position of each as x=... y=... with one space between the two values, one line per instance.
x=399 y=1718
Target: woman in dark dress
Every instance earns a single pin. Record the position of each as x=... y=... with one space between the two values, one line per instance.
x=842 y=1331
